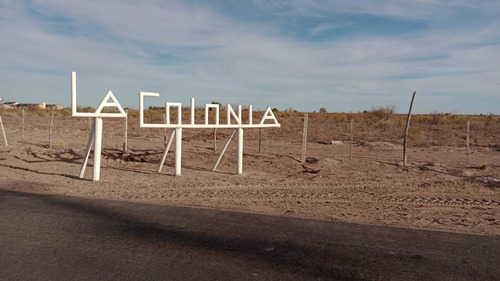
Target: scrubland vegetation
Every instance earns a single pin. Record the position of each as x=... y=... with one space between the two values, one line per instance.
x=378 y=124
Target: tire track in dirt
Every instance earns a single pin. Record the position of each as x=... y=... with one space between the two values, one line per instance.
x=421 y=200
x=326 y=194
x=442 y=186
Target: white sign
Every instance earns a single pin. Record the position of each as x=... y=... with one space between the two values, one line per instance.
x=234 y=121
x=232 y=116
x=95 y=136
x=104 y=103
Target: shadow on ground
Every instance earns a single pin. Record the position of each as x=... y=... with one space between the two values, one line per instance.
x=48 y=237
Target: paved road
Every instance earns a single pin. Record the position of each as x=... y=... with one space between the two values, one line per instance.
x=63 y=238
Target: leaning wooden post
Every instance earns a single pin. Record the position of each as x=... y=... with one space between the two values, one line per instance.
x=467 y=142
x=406 y=130
x=125 y=133
x=22 y=128
x=304 y=139
x=350 y=144
x=3 y=132
x=50 y=127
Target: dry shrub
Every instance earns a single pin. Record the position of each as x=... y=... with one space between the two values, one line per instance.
x=491 y=120
x=378 y=125
x=381 y=113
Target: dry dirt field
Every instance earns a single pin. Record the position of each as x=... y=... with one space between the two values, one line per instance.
x=439 y=191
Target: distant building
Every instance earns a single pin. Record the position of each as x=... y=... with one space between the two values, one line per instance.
x=42 y=105
x=10 y=104
x=55 y=106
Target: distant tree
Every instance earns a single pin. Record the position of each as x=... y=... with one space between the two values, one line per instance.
x=322 y=110
x=274 y=109
x=221 y=108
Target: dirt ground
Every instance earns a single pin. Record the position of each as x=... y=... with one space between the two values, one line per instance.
x=439 y=191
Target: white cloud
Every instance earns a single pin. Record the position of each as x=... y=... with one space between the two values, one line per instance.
x=408 y=10
x=322 y=28
x=118 y=45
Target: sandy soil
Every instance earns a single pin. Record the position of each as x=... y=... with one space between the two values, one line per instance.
x=439 y=190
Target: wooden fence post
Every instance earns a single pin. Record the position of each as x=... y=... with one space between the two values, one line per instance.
x=165 y=130
x=260 y=140
x=215 y=140
x=350 y=144
x=50 y=127
x=125 y=133
x=406 y=130
x=3 y=132
x=22 y=128
x=304 y=139
x=467 y=140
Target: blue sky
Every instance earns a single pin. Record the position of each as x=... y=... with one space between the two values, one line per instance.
x=302 y=54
